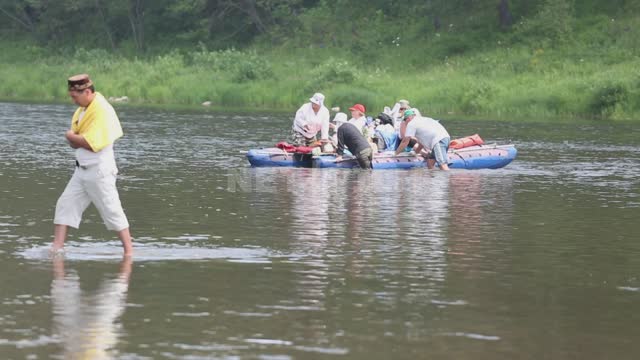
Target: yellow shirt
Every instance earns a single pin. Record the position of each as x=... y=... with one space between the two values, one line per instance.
x=100 y=125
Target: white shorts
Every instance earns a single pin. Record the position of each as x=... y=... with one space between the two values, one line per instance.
x=96 y=184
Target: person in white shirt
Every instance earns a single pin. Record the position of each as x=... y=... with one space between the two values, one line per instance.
x=311 y=118
x=357 y=117
x=338 y=120
x=397 y=113
x=430 y=135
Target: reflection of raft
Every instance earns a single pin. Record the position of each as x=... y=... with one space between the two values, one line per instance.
x=473 y=157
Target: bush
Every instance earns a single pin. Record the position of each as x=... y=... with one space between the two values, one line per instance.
x=169 y=64
x=334 y=71
x=553 y=22
x=608 y=99
x=476 y=96
x=160 y=94
x=242 y=66
x=99 y=59
x=345 y=96
x=248 y=70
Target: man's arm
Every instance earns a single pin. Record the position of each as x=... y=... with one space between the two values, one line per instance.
x=77 y=141
x=340 y=147
x=324 y=130
x=403 y=144
x=300 y=120
x=403 y=128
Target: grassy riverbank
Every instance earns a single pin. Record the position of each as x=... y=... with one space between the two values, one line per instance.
x=592 y=73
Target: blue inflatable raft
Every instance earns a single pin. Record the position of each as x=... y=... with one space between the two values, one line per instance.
x=275 y=157
x=473 y=157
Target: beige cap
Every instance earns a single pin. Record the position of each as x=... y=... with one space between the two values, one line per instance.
x=79 y=82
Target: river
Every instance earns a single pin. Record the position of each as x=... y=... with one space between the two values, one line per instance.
x=538 y=260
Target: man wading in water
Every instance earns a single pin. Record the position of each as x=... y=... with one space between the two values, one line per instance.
x=94 y=128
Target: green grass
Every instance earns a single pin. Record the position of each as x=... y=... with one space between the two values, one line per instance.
x=595 y=75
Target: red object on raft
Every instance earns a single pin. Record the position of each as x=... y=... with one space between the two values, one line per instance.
x=293 y=149
x=464 y=142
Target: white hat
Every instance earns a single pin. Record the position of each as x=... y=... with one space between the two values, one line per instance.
x=317 y=99
x=340 y=118
x=404 y=103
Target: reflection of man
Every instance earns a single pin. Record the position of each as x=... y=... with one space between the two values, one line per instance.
x=86 y=326
x=94 y=128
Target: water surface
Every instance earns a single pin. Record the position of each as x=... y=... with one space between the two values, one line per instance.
x=536 y=260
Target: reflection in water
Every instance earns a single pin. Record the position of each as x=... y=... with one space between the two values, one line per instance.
x=536 y=260
x=477 y=200
x=86 y=325
x=377 y=238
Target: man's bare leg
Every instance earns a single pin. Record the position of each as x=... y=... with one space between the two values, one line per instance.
x=125 y=237
x=59 y=236
x=431 y=163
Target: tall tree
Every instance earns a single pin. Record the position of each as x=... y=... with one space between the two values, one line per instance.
x=105 y=23
x=136 y=18
x=504 y=14
x=19 y=13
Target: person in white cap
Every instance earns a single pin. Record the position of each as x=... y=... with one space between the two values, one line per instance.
x=338 y=120
x=311 y=118
x=398 y=112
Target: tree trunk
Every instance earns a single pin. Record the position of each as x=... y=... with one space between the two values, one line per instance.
x=506 y=20
x=136 y=18
x=107 y=29
x=436 y=23
x=15 y=18
x=251 y=10
x=217 y=10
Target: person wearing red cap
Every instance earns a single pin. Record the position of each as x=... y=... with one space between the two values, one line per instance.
x=94 y=129
x=357 y=117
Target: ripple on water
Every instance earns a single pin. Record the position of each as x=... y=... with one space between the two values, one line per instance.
x=628 y=288
x=474 y=336
x=112 y=250
x=30 y=343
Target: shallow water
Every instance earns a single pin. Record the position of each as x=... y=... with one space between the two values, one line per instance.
x=536 y=260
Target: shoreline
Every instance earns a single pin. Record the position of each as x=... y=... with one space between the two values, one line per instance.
x=186 y=108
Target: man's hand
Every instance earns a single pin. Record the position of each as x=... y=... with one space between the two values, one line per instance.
x=77 y=141
x=403 y=145
x=69 y=135
x=338 y=158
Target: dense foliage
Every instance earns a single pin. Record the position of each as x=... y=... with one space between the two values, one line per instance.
x=528 y=57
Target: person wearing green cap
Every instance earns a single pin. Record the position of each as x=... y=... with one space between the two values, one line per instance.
x=430 y=135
